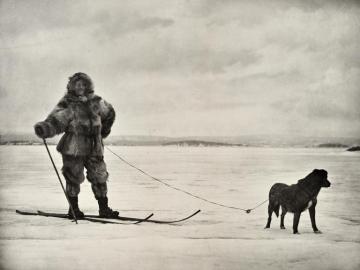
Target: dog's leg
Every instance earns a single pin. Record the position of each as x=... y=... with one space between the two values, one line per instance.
x=270 y=210
x=296 y=222
x=283 y=213
x=312 y=217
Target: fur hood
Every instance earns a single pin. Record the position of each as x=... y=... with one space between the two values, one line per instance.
x=80 y=76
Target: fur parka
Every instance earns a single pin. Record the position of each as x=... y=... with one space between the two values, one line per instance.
x=86 y=120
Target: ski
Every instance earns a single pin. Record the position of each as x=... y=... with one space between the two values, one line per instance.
x=95 y=219
x=66 y=216
x=136 y=219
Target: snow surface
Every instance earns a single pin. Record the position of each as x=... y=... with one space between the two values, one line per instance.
x=217 y=238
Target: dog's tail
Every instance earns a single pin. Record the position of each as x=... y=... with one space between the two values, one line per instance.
x=276 y=209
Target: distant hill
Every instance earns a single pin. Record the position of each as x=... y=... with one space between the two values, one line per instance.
x=353 y=149
x=199 y=143
x=332 y=145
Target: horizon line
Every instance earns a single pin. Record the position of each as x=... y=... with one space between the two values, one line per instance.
x=189 y=136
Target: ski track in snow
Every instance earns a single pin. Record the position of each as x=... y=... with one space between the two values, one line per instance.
x=217 y=238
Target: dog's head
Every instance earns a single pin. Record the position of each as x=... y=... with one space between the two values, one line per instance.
x=320 y=176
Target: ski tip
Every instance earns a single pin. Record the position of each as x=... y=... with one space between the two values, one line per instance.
x=21 y=212
x=145 y=219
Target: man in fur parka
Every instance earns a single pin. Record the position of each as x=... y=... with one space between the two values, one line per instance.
x=86 y=119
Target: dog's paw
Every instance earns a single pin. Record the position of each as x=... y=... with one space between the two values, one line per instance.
x=318 y=232
x=267 y=227
x=282 y=227
x=296 y=233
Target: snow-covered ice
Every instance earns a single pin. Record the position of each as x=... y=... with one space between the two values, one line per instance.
x=217 y=238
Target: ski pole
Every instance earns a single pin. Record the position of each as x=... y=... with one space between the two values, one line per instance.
x=57 y=173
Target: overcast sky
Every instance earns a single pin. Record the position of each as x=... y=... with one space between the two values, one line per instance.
x=180 y=68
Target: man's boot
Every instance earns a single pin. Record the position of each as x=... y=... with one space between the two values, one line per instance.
x=104 y=210
x=74 y=204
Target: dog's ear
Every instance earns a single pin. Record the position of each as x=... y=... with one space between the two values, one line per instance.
x=320 y=172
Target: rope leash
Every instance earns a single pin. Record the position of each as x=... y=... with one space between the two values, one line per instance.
x=184 y=191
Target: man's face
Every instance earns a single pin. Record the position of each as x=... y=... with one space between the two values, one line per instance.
x=80 y=87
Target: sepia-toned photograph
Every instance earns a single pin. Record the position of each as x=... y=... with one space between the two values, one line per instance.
x=204 y=135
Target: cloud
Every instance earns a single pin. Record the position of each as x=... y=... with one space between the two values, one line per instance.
x=209 y=7
x=329 y=106
x=173 y=58
x=114 y=26
x=33 y=17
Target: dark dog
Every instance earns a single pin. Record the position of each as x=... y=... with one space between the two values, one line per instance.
x=297 y=198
